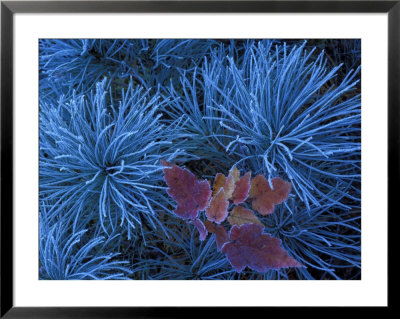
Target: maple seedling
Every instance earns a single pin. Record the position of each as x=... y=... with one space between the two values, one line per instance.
x=245 y=245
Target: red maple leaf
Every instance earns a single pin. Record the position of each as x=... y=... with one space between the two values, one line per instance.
x=242 y=187
x=249 y=246
x=200 y=227
x=192 y=195
x=264 y=197
x=217 y=211
x=221 y=235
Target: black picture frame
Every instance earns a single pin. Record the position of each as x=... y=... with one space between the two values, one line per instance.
x=9 y=8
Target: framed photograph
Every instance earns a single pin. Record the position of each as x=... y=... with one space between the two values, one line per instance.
x=158 y=156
